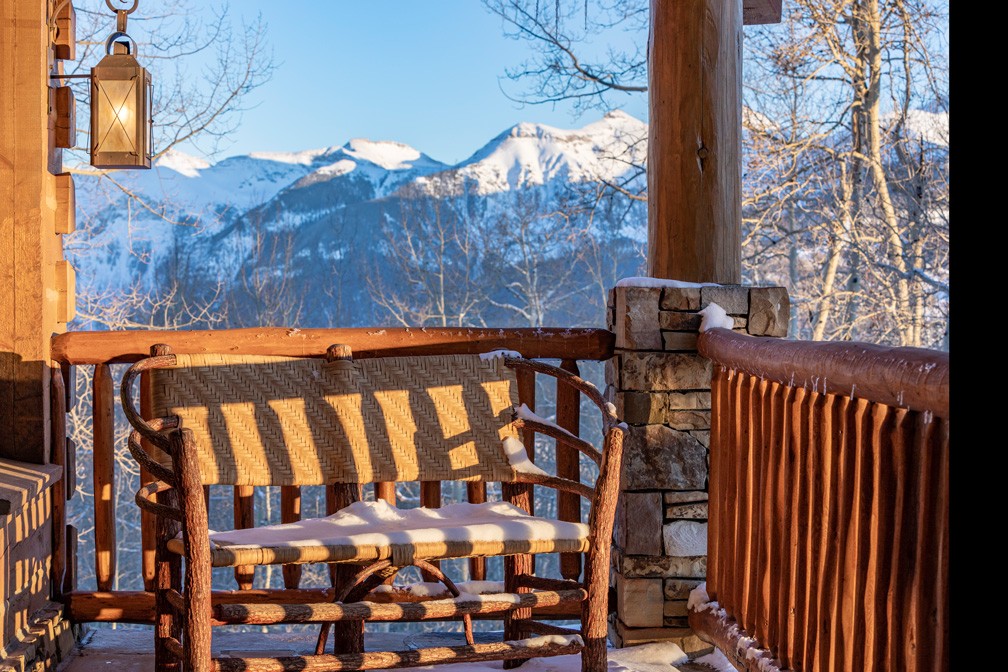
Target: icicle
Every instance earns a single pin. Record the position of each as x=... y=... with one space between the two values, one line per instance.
x=586 y=15
x=556 y=17
x=537 y=10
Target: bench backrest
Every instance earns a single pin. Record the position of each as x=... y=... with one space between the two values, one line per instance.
x=267 y=420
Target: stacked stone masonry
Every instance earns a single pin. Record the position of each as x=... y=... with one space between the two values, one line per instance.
x=33 y=634
x=661 y=388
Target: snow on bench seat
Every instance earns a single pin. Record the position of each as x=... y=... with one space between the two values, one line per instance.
x=377 y=530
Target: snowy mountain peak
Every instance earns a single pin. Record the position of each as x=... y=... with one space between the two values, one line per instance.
x=388 y=154
x=304 y=158
x=529 y=154
x=181 y=163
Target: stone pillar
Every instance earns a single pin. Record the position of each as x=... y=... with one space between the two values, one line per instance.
x=661 y=388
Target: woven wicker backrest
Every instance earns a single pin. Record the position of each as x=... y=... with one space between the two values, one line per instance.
x=263 y=420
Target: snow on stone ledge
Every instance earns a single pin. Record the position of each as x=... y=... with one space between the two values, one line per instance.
x=715 y=317
x=662 y=282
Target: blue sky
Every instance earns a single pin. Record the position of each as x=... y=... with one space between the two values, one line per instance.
x=424 y=72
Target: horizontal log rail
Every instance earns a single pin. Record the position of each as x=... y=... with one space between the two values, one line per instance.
x=102 y=350
x=828 y=530
x=137 y=606
x=107 y=347
x=912 y=378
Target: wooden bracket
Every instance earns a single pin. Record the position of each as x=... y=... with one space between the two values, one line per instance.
x=65 y=42
x=71 y=468
x=66 y=288
x=756 y=12
x=66 y=204
x=65 y=123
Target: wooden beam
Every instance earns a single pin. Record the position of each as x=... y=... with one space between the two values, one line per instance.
x=27 y=221
x=100 y=347
x=761 y=11
x=694 y=174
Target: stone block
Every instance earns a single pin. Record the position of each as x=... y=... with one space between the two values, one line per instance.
x=642 y=521
x=611 y=368
x=653 y=372
x=679 y=340
x=689 y=511
x=662 y=566
x=656 y=457
x=675 y=608
x=640 y=602
x=685 y=538
x=680 y=298
x=733 y=298
x=703 y=436
x=679 y=321
x=687 y=401
x=675 y=622
x=636 y=318
x=679 y=589
x=624 y=635
x=739 y=322
x=660 y=408
x=769 y=311
x=688 y=420
x=687 y=496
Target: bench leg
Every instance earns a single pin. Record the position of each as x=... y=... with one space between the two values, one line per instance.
x=167 y=577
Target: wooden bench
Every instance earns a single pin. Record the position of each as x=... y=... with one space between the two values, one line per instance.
x=289 y=421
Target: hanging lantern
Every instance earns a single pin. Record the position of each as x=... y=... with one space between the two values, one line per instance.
x=121 y=94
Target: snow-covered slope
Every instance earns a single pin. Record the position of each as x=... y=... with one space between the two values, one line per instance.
x=209 y=214
x=535 y=154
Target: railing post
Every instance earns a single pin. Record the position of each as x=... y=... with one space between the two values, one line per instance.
x=662 y=388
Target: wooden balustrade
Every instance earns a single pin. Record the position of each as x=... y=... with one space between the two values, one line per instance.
x=102 y=350
x=828 y=530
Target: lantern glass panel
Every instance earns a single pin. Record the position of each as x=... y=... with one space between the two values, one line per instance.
x=117 y=123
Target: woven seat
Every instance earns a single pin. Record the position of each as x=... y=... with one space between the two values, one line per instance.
x=368 y=531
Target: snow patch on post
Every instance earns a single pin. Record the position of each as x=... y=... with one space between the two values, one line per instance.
x=715 y=317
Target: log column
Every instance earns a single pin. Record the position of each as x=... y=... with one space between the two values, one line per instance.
x=36 y=287
x=695 y=105
x=36 y=299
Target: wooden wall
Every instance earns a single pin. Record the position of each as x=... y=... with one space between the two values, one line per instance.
x=36 y=295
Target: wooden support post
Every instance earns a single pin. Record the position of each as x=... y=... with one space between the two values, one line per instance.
x=103 y=458
x=27 y=221
x=569 y=463
x=290 y=512
x=244 y=518
x=695 y=117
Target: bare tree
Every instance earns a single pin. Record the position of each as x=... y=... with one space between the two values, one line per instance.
x=427 y=273
x=845 y=187
x=852 y=154
x=203 y=67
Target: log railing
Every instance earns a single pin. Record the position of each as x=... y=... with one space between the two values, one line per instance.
x=828 y=531
x=102 y=350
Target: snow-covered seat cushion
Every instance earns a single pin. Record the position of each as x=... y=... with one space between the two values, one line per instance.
x=367 y=531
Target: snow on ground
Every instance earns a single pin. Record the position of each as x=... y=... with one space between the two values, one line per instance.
x=716 y=660
x=656 y=657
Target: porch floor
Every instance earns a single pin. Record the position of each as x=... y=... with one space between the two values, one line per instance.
x=132 y=651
